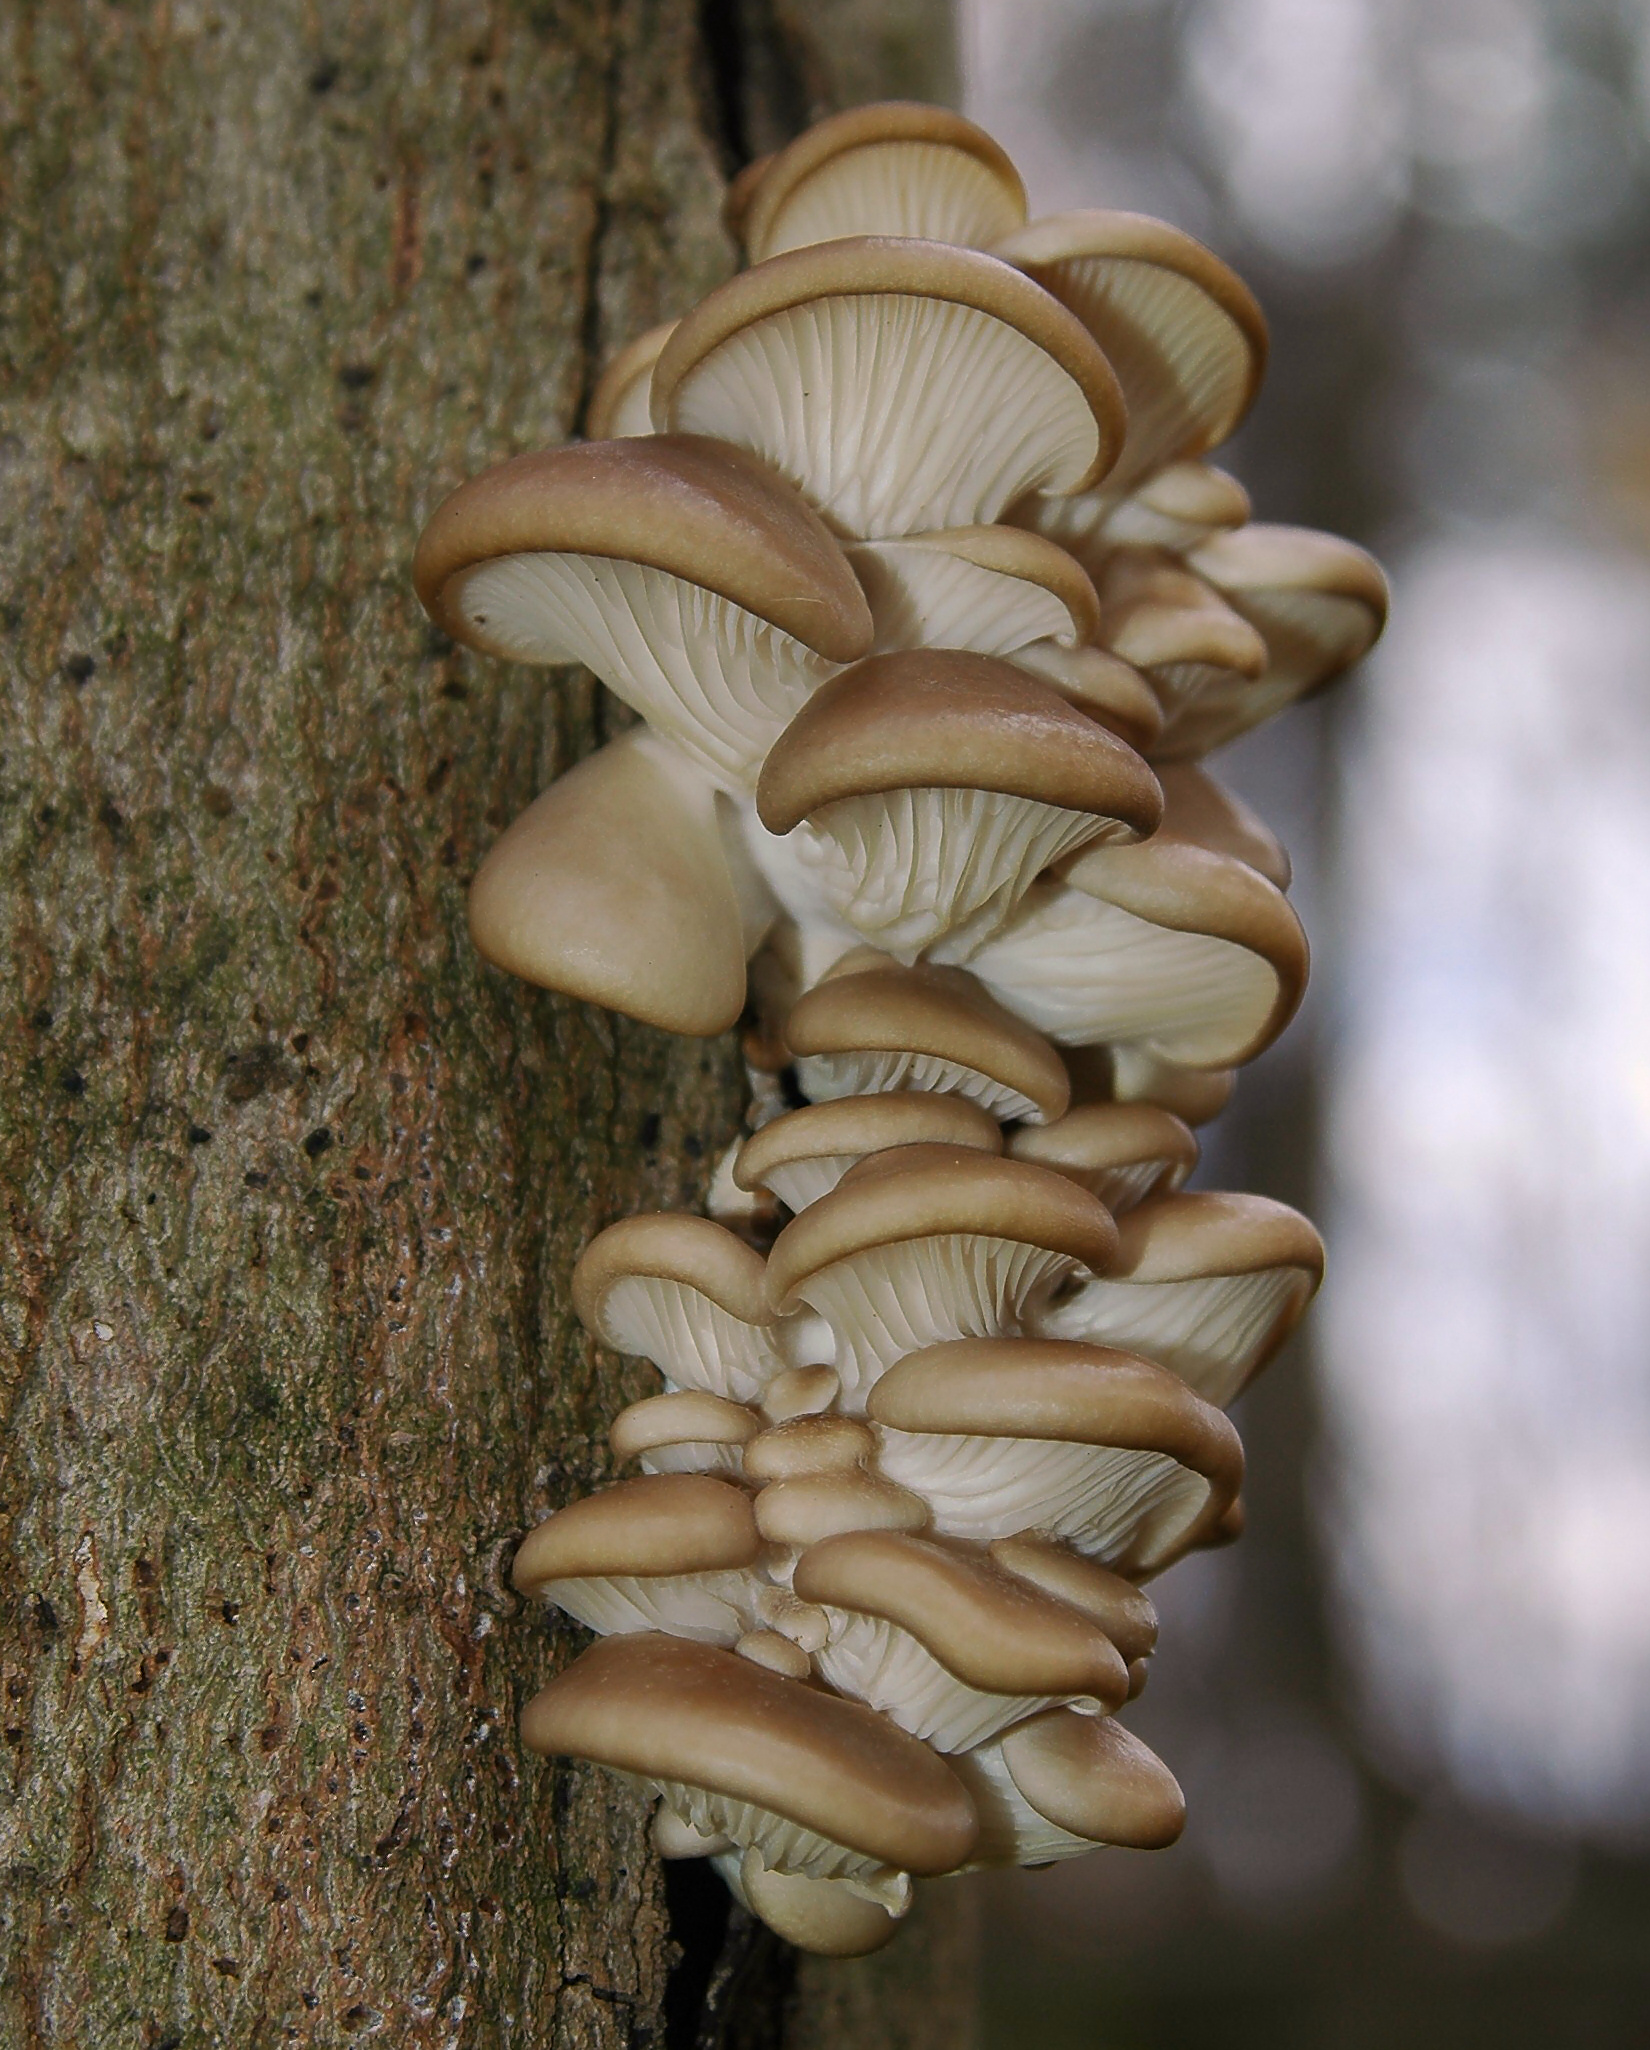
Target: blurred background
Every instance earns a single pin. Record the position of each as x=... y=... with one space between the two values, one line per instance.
x=1411 y=1710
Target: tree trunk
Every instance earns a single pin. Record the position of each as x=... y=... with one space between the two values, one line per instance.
x=292 y=1183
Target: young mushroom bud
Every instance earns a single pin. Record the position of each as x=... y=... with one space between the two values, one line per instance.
x=687 y=1431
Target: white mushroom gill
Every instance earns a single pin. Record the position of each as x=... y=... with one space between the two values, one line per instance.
x=957 y=571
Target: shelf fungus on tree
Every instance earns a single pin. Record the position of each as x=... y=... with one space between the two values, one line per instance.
x=906 y=546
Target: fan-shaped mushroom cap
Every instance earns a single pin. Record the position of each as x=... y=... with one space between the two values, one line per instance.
x=1208 y=1284
x=800 y=1391
x=945 y=1642
x=924 y=1243
x=1179 y=327
x=684 y=1293
x=1117 y=1605
x=807 y=1508
x=1188 y=953
x=666 y=1552
x=1120 y=1152
x=923 y=791
x=1129 y=1074
x=1198 y=809
x=621 y=403
x=818 y=1915
x=1119 y=1456
x=616 y=886
x=901 y=385
x=1318 y=602
x=778 y=1654
x=812 y=1783
x=684 y=1432
x=1101 y=684
x=991 y=590
x=694 y=582
x=874 y=1025
x=1060 y=1784
x=1177 y=508
x=808 y=1445
x=895 y=168
x=804 y=1154
x=1193 y=647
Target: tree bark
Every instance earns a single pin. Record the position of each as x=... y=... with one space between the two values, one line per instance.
x=293 y=1184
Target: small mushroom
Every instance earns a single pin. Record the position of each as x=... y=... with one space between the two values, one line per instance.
x=1208 y=1284
x=686 y=1294
x=1116 y=1604
x=824 y=1916
x=874 y=1025
x=1176 y=509
x=1181 y=329
x=814 y=1482
x=1190 y=954
x=1061 y=1783
x=1192 y=646
x=617 y=885
x=925 y=1243
x=989 y=590
x=1131 y=1074
x=1101 y=684
x=804 y=1154
x=621 y=404
x=811 y=1783
x=1083 y=1443
x=666 y=1552
x=902 y=386
x=696 y=584
x=1120 y=1152
x=686 y=1431
x=1318 y=602
x=919 y=795
x=947 y=1643
x=894 y=168
x=1198 y=809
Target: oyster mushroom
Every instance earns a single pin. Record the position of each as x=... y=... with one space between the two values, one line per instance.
x=621 y=404
x=804 y=1154
x=893 y=168
x=1208 y=1284
x=919 y=794
x=1120 y=1152
x=696 y=584
x=988 y=590
x=1083 y=1443
x=686 y=1431
x=1192 y=646
x=815 y=1481
x=1198 y=809
x=900 y=385
x=1061 y=1784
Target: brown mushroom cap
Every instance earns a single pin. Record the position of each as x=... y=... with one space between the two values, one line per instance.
x=916 y=1192
x=988 y=589
x=1101 y=684
x=1121 y=1152
x=619 y=405
x=1162 y=618
x=1181 y=329
x=1117 y=1605
x=671 y=1709
x=808 y=1444
x=659 y=1523
x=1094 y=1778
x=686 y=1416
x=1205 y=1231
x=1198 y=809
x=856 y=1125
x=1063 y=457
x=1130 y=1074
x=910 y=169
x=943 y=719
x=1179 y=506
x=806 y=1508
x=700 y=510
x=668 y=1245
x=939 y=1012
x=989 y=1628
x=615 y=886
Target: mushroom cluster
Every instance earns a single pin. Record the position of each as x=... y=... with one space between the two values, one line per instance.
x=904 y=546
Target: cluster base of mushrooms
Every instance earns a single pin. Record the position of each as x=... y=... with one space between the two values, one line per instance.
x=904 y=546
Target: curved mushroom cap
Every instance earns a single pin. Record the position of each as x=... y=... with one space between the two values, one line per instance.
x=804 y=1154
x=689 y=1714
x=684 y=1431
x=1318 y=602
x=1136 y=1514
x=693 y=581
x=1181 y=329
x=938 y=718
x=808 y=1445
x=1188 y=953
x=1209 y=1284
x=1101 y=684
x=1179 y=507
x=1198 y=809
x=660 y=1524
x=1117 y=1605
x=822 y=1916
x=684 y=1293
x=901 y=385
x=1120 y=1152
x=1134 y=1075
x=620 y=406
x=895 y=168
x=993 y=1630
x=615 y=886
x=1096 y=1780
x=807 y=1508
x=884 y=1026
x=991 y=590
x=1195 y=649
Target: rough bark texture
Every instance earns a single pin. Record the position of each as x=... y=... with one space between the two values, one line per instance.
x=292 y=1184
